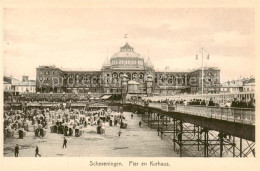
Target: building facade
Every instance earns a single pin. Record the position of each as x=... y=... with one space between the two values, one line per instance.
x=142 y=78
x=25 y=86
x=17 y=87
x=239 y=85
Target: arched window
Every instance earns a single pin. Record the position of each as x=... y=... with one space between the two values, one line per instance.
x=134 y=76
x=121 y=74
x=114 y=75
x=184 y=79
x=141 y=76
x=128 y=75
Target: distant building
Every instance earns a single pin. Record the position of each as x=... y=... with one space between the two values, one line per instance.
x=8 y=87
x=126 y=61
x=239 y=85
x=249 y=85
x=11 y=80
x=13 y=86
x=25 y=86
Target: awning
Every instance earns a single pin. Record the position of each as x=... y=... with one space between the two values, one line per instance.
x=78 y=105
x=33 y=104
x=47 y=104
x=98 y=105
x=105 y=97
x=132 y=82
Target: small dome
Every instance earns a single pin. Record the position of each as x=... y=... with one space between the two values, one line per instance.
x=149 y=63
x=127 y=47
x=149 y=76
x=106 y=63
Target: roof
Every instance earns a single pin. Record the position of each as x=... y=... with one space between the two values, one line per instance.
x=126 y=51
x=239 y=82
x=6 y=82
x=167 y=69
x=127 y=54
x=80 y=70
x=26 y=83
x=126 y=47
x=251 y=80
x=206 y=68
x=48 y=66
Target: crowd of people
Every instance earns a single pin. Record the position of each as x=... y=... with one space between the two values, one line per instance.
x=203 y=102
x=59 y=120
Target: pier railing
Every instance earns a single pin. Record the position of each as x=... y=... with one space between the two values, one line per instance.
x=242 y=115
x=231 y=114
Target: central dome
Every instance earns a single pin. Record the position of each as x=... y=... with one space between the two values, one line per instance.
x=127 y=58
x=126 y=51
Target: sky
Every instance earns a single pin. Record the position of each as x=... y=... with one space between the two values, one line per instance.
x=82 y=38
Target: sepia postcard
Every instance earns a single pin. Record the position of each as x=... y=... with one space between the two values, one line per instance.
x=161 y=85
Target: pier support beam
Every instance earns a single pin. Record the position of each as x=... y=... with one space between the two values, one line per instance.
x=180 y=138
x=174 y=133
x=158 y=126
x=221 y=144
x=234 y=146
x=148 y=119
x=241 y=147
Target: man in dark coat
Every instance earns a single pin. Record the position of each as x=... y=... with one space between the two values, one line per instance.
x=37 y=152
x=16 y=150
x=64 y=143
x=234 y=103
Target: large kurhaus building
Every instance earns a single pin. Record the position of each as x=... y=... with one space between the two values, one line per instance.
x=142 y=78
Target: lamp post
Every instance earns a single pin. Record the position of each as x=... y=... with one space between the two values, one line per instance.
x=202 y=52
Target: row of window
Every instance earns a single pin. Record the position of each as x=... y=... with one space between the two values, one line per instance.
x=47 y=72
x=25 y=88
x=128 y=62
x=45 y=78
x=237 y=89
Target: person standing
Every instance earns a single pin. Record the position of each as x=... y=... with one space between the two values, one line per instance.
x=140 y=124
x=16 y=150
x=37 y=152
x=64 y=143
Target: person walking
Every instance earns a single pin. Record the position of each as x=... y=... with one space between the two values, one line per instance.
x=119 y=133
x=132 y=116
x=64 y=143
x=16 y=150
x=37 y=152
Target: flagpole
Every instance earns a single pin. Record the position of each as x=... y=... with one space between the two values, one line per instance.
x=126 y=37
